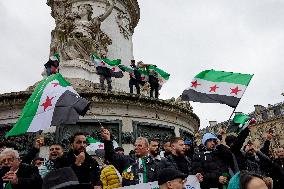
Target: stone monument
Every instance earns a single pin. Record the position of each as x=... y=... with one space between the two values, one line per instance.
x=83 y=27
x=106 y=28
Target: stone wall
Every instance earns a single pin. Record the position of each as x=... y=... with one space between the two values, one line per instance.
x=127 y=116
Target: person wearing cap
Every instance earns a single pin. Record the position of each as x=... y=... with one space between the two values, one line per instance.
x=63 y=178
x=213 y=162
x=189 y=151
x=171 y=178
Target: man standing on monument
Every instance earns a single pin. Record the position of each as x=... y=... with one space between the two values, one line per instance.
x=104 y=74
x=135 y=78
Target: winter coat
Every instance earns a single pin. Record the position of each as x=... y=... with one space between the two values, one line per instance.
x=277 y=173
x=169 y=162
x=28 y=177
x=212 y=165
x=88 y=172
x=110 y=178
x=129 y=167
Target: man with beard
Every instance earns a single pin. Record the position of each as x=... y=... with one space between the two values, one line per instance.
x=278 y=169
x=167 y=149
x=142 y=169
x=154 y=149
x=84 y=166
x=213 y=162
x=189 y=151
x=177 y=160
x=15 y=174
x=255 y=161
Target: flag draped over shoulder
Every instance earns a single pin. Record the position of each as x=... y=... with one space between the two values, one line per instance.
x=212 y=86
x=113 y=65
x=53 y=102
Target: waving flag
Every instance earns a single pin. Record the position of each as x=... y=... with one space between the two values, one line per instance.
x=162 y=75
x=212 y=86
x=53 y=102
x=113 y=65
x=240 y=122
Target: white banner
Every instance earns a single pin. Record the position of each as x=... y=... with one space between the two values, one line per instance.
x=191 y=183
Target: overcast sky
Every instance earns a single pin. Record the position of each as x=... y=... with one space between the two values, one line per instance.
x=183 y=37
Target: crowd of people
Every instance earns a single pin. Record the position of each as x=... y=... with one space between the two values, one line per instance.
x=233 y=165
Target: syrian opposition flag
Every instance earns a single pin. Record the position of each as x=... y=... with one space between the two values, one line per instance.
x=94 y=144
x=240 y=122
x=53 y=102
x=144 y=75
x=162 y=75
x=113 y=65
x=212 y=86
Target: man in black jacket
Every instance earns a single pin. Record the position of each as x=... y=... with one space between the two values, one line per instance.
x=135 y=78
x=247 y=157
x=16 y=174
x=142 y=169
x=213 y=163
x=154 y=84
x=105 y=74
x=278 y=169
x=84 y=166
x=177 y=160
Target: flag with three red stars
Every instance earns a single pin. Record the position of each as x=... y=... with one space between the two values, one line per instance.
x=211 y=86
x=53 y=102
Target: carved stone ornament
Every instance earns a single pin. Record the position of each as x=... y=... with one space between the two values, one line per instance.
x=124 y=24
x=77 y=33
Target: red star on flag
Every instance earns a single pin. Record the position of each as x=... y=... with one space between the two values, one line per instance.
x=103 y=63
x=143 y=78
x=113 y=69
x=100 y=146
x=194 y=84
x=213 y=88
x=235 y=90
x=47 y=103
x=55 y=84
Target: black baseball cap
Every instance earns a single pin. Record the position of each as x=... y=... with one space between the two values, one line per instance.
x=169 y=174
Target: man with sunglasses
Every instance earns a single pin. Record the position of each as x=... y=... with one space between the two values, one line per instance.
x=213 y=162
x=84 y=166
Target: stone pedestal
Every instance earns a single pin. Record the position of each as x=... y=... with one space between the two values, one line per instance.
x=111 y=36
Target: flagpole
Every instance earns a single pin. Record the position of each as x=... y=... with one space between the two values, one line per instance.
x=231 y=116
x=98 y=121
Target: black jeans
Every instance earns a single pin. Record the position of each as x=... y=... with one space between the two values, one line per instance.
x=102 y=82
x=135 y=83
